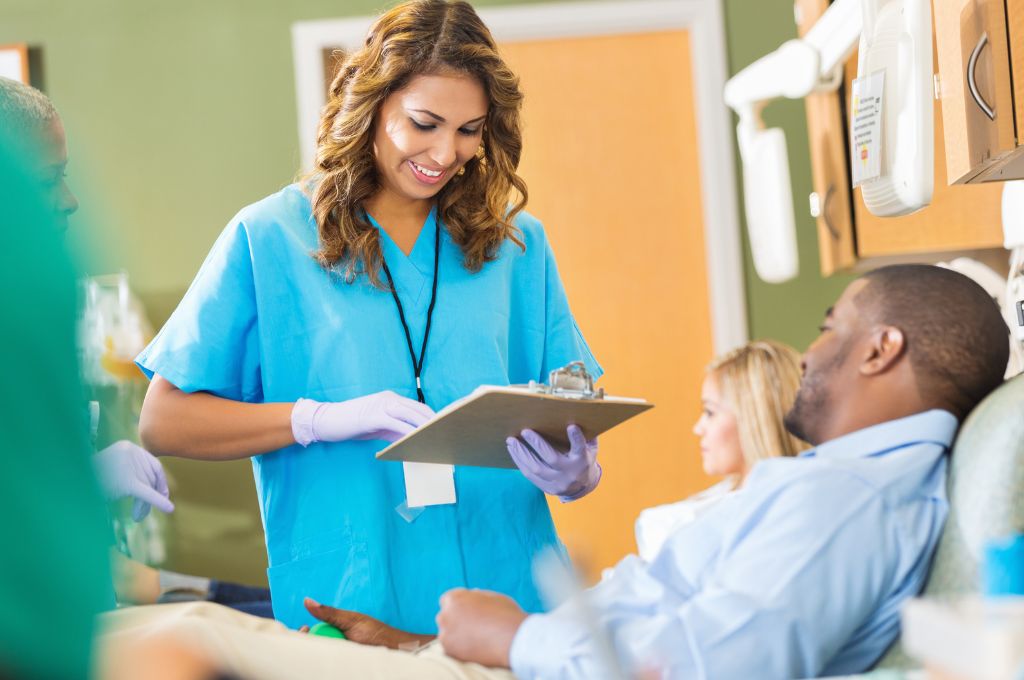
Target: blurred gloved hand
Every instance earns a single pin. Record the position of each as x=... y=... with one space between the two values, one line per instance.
x=569 y=475
x=126 y=469
x=384 y=415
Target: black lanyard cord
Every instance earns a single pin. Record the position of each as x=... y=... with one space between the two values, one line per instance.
x=417 y=364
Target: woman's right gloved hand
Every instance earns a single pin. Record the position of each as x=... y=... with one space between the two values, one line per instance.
x=384 y=415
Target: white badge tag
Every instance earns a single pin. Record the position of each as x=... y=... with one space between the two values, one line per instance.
x=866 y=128
x=429 y=484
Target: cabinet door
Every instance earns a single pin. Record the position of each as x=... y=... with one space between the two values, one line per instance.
x=1015 y=32
x=975 y=87
x=830 y=202
x=960 y=218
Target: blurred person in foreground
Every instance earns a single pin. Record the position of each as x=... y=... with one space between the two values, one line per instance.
x=54 y=574
x=124 y=469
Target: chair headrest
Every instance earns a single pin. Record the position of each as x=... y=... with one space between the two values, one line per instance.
x=986 y=498
x=986 y=489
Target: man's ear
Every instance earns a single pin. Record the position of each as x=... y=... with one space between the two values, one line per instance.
x=886 y=346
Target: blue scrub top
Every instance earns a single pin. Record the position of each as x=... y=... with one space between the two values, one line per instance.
x=263 y=322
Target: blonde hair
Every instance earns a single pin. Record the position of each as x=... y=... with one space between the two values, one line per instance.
x=420 y=37
x=759 y=381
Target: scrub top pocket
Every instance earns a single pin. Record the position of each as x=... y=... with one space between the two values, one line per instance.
x=339 y=576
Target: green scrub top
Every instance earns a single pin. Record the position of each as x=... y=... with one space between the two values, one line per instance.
x=54 y=571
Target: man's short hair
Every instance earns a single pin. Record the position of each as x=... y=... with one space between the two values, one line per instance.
x=24 y=108
x=957 y=340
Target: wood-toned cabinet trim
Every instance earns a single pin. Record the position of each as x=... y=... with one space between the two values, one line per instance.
x=829 y=163
x=1015 y=38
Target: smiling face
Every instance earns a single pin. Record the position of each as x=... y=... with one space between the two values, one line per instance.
x=828 y=367
x=720 y=447
x=426 y=132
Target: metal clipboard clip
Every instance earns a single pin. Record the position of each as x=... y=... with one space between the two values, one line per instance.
x=571 y=382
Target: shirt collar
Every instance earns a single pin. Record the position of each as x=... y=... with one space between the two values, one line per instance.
x=936 y=426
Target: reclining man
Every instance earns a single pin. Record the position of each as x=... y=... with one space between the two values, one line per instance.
x=801 y=574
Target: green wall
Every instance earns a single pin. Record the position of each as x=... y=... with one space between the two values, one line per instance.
x=790 y=311
x=180 y=112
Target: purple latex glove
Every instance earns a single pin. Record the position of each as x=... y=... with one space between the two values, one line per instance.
x=127 y=469
x=384 y=415
x=568 y=475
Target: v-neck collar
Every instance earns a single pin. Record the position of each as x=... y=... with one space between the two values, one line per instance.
x=413 y=273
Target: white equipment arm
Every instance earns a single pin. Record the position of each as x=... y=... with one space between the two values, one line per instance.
x=895 y=147
x=799 y=67
x=794 y=70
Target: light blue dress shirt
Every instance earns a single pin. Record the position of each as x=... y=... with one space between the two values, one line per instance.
x=799 y=574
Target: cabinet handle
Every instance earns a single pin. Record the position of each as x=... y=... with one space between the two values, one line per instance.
x=972 y=84
x=824 y=212
x=819 y=209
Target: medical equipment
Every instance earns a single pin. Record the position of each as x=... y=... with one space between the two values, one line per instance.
x=895 y=39
x=996 y=286
x=1008 y=293
x=112 y=330
x=1013 y=240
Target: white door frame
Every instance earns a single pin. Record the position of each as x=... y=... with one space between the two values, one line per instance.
x=703 y=20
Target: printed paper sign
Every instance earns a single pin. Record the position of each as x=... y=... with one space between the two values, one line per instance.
x=866 y=128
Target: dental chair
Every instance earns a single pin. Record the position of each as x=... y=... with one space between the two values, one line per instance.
x=986 y=499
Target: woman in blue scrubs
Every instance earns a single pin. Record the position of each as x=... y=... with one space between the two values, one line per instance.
x=343 y=310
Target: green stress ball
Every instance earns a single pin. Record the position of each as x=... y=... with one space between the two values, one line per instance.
x=326 y=630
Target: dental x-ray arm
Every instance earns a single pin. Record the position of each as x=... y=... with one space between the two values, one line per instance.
x=797 y=68
x=801 y=66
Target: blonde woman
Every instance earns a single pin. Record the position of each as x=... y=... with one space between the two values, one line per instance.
x=339 y=313
x=745 y=395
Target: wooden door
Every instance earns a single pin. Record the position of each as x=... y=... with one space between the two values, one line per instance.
x=613 y=172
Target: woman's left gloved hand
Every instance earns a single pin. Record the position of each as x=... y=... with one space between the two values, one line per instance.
x=568 y=474
x=127 y=469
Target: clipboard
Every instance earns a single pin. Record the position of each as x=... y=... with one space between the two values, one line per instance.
x=472 y=431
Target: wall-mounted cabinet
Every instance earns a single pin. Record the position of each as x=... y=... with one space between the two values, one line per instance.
x=960 y=218
x=975 y=41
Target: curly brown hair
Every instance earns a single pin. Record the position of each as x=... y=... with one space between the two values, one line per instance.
x=477 y=206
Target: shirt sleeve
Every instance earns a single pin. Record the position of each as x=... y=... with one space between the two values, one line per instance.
x=779 y=600
x=211 y=341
